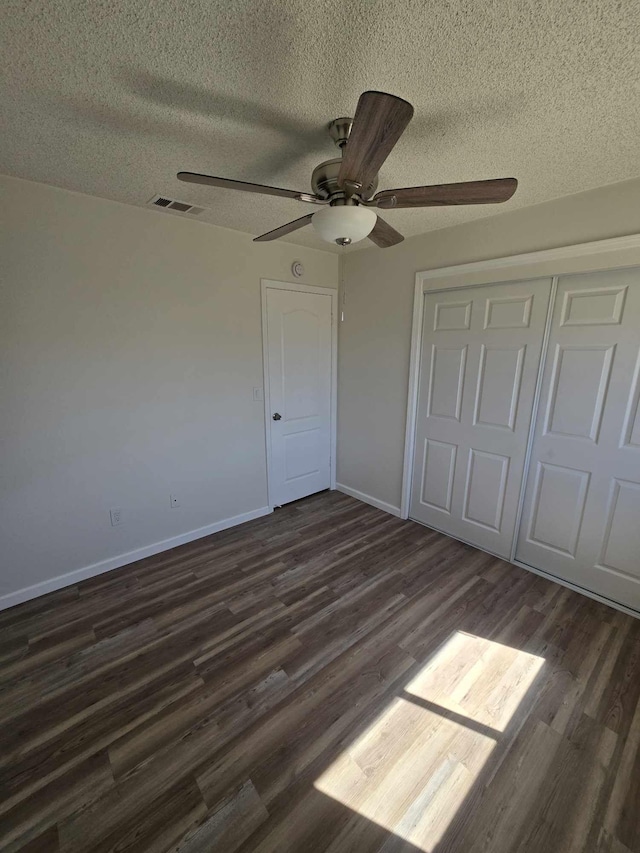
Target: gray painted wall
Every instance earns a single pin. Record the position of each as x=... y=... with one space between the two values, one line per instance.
x=130 y=343
x=375 y=336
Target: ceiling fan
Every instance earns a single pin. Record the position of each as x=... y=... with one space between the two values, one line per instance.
x=347 y=185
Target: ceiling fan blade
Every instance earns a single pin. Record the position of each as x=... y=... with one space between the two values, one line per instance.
x=228 y=184
x=470 y=192
x=378 y=124
x=383 y=235
x=284 y=229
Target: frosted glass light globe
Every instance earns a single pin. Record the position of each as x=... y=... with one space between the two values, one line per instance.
x=348 y=223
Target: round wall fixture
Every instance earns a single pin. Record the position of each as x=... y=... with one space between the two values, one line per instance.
x=297 y=269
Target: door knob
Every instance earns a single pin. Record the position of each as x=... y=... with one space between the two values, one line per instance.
x=277 y=417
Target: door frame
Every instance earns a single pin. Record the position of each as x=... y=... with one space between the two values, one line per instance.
x=270 y=284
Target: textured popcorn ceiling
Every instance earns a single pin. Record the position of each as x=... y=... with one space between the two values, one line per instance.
x=113 y=97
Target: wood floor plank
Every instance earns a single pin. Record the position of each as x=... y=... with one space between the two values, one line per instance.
x=52 y=753
x=234 y=820
x=326 y=678
x=47 y=807
x=154 y=825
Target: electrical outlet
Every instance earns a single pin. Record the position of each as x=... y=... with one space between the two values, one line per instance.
x=116 y=516
x=174 y=501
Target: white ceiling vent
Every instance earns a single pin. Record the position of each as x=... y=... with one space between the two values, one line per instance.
x=172 y=204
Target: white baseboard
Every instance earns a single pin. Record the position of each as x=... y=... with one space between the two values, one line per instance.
x=601 y=598
x=368 y=499
x=68 y=579
x=582 y=590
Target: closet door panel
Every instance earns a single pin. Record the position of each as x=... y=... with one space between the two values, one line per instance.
x=581 y=518
x=480 y=356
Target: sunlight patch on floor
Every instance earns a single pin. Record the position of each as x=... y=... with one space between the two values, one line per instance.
x=411 y=770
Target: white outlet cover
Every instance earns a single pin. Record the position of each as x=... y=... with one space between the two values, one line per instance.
x=297 y=269
x=174 y=501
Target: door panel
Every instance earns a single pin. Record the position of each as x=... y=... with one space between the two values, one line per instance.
x=600 y=306
x=621 y=544
x=508 y=313
x=452 y=316
x=480 y=357
x=302 y=387
x=446 y=382
x=578 y=387
x=439 y=465
x=581 y=517
x=631 y=430
x=485 y=488
x=499 y=379
x=558 y=507
x=299 y=369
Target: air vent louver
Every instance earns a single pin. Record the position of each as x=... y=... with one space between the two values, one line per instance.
x=173 y=204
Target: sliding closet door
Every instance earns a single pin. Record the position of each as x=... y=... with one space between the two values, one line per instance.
x=581 y=517
x=480 y=356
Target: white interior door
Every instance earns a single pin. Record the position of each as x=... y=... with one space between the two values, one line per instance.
x=298 y=347
x=581 y=518
x=481 y=350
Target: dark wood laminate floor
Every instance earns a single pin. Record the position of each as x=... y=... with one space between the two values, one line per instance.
x=328 y=678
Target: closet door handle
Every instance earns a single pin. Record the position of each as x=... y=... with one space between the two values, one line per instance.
x=277 y=417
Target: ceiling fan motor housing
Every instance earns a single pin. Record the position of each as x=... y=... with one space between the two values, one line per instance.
x=324 y=181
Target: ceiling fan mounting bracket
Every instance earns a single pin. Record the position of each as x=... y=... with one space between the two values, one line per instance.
x=339 y=130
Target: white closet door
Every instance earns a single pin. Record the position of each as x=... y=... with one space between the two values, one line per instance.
x=581 y=517
x=480 y=356
x=299 y=369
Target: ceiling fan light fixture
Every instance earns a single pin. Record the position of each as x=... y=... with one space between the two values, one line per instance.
x=344 y=224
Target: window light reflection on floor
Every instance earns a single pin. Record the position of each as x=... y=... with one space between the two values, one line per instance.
x=412 y=769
